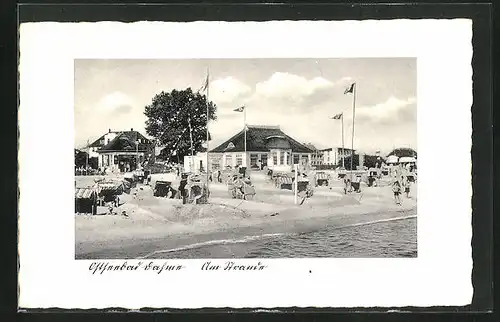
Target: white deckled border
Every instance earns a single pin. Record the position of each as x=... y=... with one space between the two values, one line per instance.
x=441 y=275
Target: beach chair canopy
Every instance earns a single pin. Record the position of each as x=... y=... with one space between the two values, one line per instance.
x=84 y=193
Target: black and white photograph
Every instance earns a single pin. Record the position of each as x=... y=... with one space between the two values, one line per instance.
x=245 y=165
x=301 y=158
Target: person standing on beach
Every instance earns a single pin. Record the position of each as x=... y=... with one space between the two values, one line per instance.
x=406 y=185
x=347 y=186
x=182 y=189
x=396 y=188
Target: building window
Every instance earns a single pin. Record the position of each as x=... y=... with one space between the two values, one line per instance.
x=288 y=158
x=282 y=158
x=215 y=164
x=275 y=158
x=296 y=158
x=253 y=159
x=239 y=159
x=263 y=158
x=229 y=160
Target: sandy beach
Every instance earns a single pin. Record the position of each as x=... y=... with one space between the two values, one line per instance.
x=153 y=225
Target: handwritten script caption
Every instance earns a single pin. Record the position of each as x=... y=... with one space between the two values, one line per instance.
x=158 y=268
x=99 y=268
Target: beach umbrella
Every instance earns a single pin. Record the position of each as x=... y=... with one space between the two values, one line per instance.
x=392 y=159
x=407 y=160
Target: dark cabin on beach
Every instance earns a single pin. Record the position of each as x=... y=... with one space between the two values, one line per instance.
x=85 y=201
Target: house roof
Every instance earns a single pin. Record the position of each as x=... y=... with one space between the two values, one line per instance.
x=97 y=143
x=125 y=141
x=258 y=138
x=311 y=146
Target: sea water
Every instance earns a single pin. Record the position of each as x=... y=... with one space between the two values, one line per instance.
x=385 y=238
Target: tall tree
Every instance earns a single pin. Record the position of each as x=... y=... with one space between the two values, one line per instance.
x=403 y=152
x=347 y=162
x=369 y=161
x=172 y=118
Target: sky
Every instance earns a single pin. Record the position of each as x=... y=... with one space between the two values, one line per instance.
x=299 y=95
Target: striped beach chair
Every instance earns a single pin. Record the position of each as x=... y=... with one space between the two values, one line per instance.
x=286 y=183
x=322 y=179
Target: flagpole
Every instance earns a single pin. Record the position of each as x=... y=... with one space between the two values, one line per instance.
x=191 y=139
x=208 y=135
x=343 y=149
x=353 y=118
x=87 y=159
x=245 y=131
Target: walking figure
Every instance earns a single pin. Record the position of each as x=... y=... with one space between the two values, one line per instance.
x=406 y=185
x=396 y=188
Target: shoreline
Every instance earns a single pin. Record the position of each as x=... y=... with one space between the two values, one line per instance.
x=160 y=224
x=161 y=241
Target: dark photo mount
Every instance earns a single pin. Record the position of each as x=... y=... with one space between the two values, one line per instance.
x=482 y=109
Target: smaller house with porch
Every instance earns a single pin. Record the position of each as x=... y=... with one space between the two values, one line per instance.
x=124 y=151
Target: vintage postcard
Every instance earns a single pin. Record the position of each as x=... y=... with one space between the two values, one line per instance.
x=282 y=178
x=250 y=162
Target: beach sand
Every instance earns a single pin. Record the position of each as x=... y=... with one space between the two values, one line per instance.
x=154 y=224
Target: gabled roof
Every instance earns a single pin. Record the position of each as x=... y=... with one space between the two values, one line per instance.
x=97 y=143
x=125 y=141
x=258 y=137
x=310 y=146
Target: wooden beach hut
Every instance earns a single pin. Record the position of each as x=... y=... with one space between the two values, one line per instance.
x=86 y=201
x=109 y=191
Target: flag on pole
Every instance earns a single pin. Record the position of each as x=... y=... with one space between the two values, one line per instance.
x=338 y=116
x=240 y=109
x=350 y=89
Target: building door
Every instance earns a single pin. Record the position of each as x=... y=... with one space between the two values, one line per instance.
x=263 y=159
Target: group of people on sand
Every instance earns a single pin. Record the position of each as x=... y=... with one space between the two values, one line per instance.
x=401 y=184
x=353 y=185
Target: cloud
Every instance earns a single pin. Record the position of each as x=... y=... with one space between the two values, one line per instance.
x=291 y=93
x=115 y=103
x=285 y=85
x=227 y=90
x=393 y=110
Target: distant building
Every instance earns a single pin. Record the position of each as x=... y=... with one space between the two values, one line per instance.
x=333 y=156
x=101 y=142
x=122 y=150
x=195 y=163
x=266 y=146
x=317 y=155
